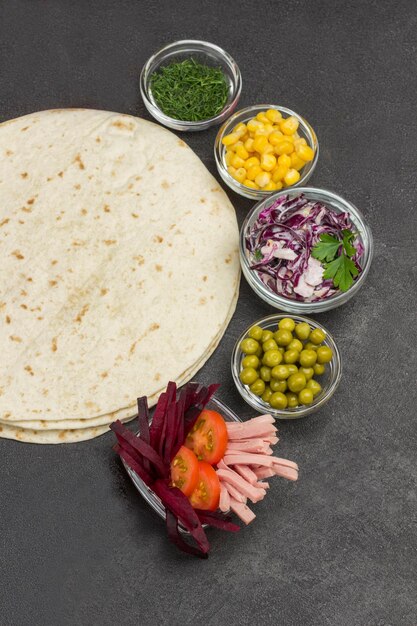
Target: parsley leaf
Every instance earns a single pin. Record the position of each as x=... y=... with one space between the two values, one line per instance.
x=258 y=255
x=342 y=270
x=326 y=248
x=348 y=237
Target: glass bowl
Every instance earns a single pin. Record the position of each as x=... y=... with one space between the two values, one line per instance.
x=297 y=306
x=204 y=52
x=147 y=494
x=329 y=380
x=244 y=115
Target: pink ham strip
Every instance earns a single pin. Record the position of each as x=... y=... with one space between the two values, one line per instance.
x=264 y=472
x=246 y=473
x=271 y=440
x=285 y=462
x=249 y=430
x=224 y=503
x=242 y=511
x=286 y=472
x=260 y=419
x=249 y=445
x=262 y=485
x=253 y=493
x=248 y=459
x=233 y=492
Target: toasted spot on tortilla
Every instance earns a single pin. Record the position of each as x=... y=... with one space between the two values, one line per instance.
x=158 y=239
x=106 y=208
x=103 y=291
x=165 y=184
x=157 y=376
x=109 y=242
x=104 y=374
x=45 y=392
x=28 y=368
x=8 y=319
x=181 y=143
x=158 y=268
x=26 y=209
x=84 y=211
x=204 y=278
x=54 y=262
x=169 y=274
x=78 y=186
x=5 y=221
x=98 y=139
x=170 y=245
x=228 y=259
x=79 y=162
x=9 y=153
x=124 y=125
x=54 y=346
x=16 y=338
x=172 y=226
x=202 y=301
x=215 y=189
x=154 y=326
x=24 y=175
x=17 y=254
x=52 y=283
x=135 y=215
x=151 y=167
x=139 y=258
x=62 y=434
x=23 y=292
x=82 y=313
x=24 y=306
x=60 y=174
x=31 y=200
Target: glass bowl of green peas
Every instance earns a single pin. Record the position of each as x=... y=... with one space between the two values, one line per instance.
x=288 y=366
x=190 y=85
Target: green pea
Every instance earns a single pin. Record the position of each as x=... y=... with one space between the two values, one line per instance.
x=280 y=372
x=296 y=382
x=305 y=396
x=319 y=369
x=291 y=356
x=258 y=387
x=295 y=344
x=272 y=358
x=281 y=349
x=314 y=386
x=266 y=394
x=255 y=333
x=249 y=346
x=248 y=375
x=259 y=352
x=265 y=373
x=266 y=334
x=286 y=324
x=278 y=385
x=324 y=354
x=292 y=368
x=278 y=400
x=251 y=361
x=310 y=346
x=308 y=358
x=317 y=336
x=292 y=399
x=302 y=330
x=269 y=345
x=283 y=337
x=307 y=371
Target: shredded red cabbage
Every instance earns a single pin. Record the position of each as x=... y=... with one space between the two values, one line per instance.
x=280 y=242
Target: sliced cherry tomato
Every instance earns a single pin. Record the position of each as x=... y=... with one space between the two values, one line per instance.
x=206 y=495
x=208 y=438
x=184 y=470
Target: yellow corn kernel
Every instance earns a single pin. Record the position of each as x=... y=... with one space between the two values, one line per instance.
x=275 y=137
x=296 y=162
x=228 y=140
x=296 y=135
x=300 y=141
x=278 y=185
x=305 y=152
x=237 y=161
x=289 y=126
x=268 y=128
x=279 y=173
x=231 y=170
x=263 y=179
x=269 y=149
x=228 y=158
x=249 y=145
x=251 y=162
x=273 y=115
x=242 y=152
x=292 y=177
x=233 y=146
x=268 y=162
x=253 y=125
x=244 y=137
x=285 y=160
x=253 y=172
x=284 y=147
x=271 y=186
x=250 y=184
x=261 y=117
x=260 y=143
x=240 y=174
x=261 y=132
x=240 y=129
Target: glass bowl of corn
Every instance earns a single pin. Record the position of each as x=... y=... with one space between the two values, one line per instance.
x=265 y=148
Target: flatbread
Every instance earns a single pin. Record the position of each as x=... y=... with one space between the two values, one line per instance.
x=119 y=264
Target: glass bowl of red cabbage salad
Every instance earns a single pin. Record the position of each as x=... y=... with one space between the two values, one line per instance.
x=305 y=250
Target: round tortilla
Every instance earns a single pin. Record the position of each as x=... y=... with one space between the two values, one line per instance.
x=119 y=265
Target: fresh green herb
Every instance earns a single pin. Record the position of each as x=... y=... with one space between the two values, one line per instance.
x=258 y=256
x=335 y=255
x=189 y=91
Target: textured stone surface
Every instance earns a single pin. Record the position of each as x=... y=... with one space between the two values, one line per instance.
x=78 y=545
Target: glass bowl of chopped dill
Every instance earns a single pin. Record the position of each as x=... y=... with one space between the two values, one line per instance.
x=190 y=85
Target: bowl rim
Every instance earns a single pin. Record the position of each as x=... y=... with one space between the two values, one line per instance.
x=321 y=305
x=298 y=412
x=166 y=119
x=240 y=188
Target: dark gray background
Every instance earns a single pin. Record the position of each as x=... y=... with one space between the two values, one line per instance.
x=78 y=545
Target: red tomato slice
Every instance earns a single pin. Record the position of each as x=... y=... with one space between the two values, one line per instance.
x=208 y=438
x=184 y=471
x=206 y=495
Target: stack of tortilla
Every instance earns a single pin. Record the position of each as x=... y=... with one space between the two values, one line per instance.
x=119 y=270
